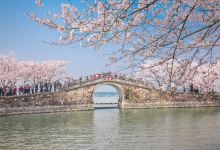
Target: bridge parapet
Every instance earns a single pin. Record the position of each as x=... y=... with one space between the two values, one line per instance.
x=105 y=81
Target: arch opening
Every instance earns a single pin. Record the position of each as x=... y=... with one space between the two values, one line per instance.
x=107 y=95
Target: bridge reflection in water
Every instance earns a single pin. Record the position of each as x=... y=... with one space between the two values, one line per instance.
x=105 y=105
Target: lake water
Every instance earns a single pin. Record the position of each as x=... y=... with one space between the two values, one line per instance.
x=131 y=129
x=104 y=99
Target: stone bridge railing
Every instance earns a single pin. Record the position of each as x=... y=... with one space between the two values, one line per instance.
x=104 y=80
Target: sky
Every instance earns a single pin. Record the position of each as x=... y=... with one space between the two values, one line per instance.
x=106 y=99
x=25 y=37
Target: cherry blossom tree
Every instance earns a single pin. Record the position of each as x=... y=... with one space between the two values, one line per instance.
x=205 y=78
x=13 y=72
x=51 y=71
x=208 y=81
x=161 y=32
x=43 y=72
x=38 y=2
x=9 y=70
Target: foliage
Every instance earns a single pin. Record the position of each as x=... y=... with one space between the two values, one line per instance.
x=13 y=71
x=159 y=33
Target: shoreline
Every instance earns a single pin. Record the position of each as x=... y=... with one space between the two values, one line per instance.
x=73 y=101
x=9 y=111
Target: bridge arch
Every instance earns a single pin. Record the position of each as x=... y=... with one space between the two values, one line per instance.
x=117 y=86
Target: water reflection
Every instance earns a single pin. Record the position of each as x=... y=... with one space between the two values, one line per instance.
x=191 y=129
x=172 y=128
x=47 y=131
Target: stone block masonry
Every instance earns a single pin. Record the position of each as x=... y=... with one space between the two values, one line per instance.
x=80 y=97
x=165 y=100
x=42 y=103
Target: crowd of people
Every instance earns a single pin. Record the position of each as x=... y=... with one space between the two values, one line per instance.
x=105 y=76
x=195 y=89
x=11 y=89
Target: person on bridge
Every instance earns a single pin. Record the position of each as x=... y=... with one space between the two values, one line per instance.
x=32 y=89
x=50 y=87
x=1 y=91
x=80 y=80
x=15 y=90
x=41 y=87
x=87 y=78
x=20 y=90
x=191 y=88
x=36 y=88
x=116 y=75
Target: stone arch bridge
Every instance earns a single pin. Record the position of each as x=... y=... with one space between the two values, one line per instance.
x=132 y=94
x=129 y=90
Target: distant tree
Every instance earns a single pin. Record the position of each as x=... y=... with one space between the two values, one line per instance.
x=9 y=70
x=14 y=72
x=205 y=77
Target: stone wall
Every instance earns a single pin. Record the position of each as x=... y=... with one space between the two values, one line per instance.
x=158 y=100
x=43 y=103
x=81 y=99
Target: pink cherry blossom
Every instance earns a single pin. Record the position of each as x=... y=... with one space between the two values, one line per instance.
x=171 y=34
x=15 y=72
x=38 y=2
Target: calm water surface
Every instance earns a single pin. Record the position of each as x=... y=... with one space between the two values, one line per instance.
x=156 y=129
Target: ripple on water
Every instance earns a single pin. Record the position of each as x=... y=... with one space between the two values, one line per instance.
x=191 y=129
